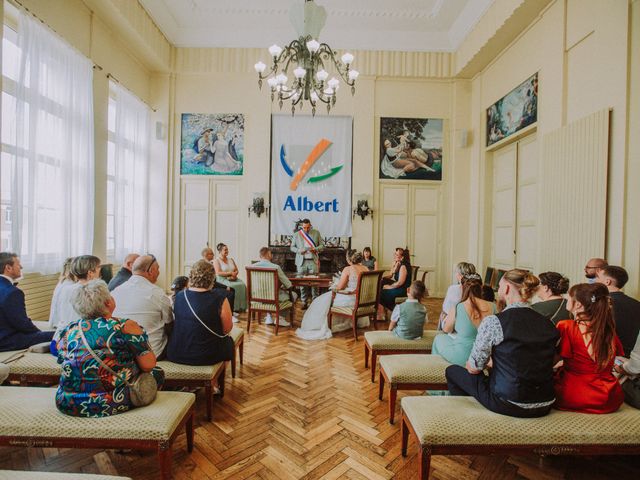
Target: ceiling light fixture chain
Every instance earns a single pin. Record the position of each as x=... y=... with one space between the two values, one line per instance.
x=310 y=81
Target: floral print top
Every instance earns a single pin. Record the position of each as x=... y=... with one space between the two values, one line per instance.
x=86 y=388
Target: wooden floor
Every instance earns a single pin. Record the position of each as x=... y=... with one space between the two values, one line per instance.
x=307 y=410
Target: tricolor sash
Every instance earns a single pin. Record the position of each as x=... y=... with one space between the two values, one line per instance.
x=311 y=244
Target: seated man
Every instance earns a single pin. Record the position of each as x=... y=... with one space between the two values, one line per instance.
x=141 y=300
x=17 y=331
x=124 y=273
x=626 y=310
x=266 y=258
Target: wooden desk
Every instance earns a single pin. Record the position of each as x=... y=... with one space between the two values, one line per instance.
x=322 y=280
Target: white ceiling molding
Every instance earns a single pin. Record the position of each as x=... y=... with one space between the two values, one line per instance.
x=401 y=25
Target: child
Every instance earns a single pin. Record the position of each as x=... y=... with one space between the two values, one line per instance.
x=407 y=319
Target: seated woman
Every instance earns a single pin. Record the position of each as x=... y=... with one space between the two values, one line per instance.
x=314 y=323
x=65 y=281
x=369 y=260
x=454 y=292
x=399 y=280
x=588 y=346
x=202 y=321
x=87 y=389
x=552 y=305
x=464 y=318
x=227 y=274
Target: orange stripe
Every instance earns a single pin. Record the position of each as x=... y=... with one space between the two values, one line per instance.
x=315 y=154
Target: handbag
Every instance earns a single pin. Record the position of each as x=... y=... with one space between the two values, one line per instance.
x=142 y=391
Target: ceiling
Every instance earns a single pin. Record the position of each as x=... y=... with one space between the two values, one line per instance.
x=405 y=25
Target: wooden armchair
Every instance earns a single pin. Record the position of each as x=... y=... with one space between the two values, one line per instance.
x=263 y=295
x=367 y=294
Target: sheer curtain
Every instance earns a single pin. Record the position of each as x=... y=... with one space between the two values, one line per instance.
x=52 y=168
x=131 y=172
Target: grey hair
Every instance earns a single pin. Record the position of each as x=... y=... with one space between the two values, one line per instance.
x=90 y=300
x=465 y=268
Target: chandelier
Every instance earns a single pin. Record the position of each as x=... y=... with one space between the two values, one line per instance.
x=306 y=58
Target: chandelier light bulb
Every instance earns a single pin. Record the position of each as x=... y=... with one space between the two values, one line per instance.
x=322 y=75
x=328 y=91
x=281 y=79
x=347 y=58
x=314 y=97
x=299 y=72
x=353 y=74
x=272 y=82
x=260 y=67
x=275 y=50
x=313 y=46
x=333 y=83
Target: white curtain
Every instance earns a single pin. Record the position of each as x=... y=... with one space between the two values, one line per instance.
x=52 y=188
x=131 y=173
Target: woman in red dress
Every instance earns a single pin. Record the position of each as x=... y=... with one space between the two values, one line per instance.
x=588 y=345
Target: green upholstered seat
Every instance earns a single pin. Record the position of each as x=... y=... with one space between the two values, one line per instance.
x=414 y=368
x=385 y=340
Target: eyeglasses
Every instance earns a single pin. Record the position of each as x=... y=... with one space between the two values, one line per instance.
x=590 y=268
x=153 y=260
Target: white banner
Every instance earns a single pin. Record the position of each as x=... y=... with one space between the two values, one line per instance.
x=311 y=174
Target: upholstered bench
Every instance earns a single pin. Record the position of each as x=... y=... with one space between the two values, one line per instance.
x=238 y=341
x=461 y=426
x=43 y=368
x=20 y=475
x=29 y=417
x=379 y=343
x=411 y=372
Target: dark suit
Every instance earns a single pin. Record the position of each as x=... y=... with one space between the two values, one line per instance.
x=17 y=331
x=122 y=276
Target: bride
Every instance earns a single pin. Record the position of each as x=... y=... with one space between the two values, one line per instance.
x=314 y=323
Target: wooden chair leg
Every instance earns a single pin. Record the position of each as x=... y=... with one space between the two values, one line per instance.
x=233 y=363
x=291 y=317
x=381 y=386
x=366 y=354
x=165 y=456
x=354 y=321
x=404 y=436
x=425 y=462
x=221 y=380
x=393 y=394
x=277 y=320
x=249 y=315
x=189 y=432
x=330 y=319
x=208 y=391
x=374 y=359
x=241 y=351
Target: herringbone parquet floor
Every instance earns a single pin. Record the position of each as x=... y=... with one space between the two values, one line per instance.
x=306 y=410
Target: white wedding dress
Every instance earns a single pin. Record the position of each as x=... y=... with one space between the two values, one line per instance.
x=315 y=325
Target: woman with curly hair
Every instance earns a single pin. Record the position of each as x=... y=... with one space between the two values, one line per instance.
x=588 y=347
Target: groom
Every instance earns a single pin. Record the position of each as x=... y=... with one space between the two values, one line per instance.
x=307 y=244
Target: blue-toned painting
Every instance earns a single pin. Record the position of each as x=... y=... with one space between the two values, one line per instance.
x=212 y=144
x=514 y=111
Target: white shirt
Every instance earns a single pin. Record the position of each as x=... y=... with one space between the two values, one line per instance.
x=62 y=311
x=140 y=300
x=395 y=315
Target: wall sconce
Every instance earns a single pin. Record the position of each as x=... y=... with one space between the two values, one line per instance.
x=362 y=207
x=258 y=206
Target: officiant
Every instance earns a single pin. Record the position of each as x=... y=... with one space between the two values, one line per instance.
x=307 y=244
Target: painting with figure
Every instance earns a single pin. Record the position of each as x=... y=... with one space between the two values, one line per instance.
x=516 y=110
x=212 y=144
x=411 y=148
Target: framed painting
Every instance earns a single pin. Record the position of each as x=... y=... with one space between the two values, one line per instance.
x=212 y=144
x=411 y=148
x=513 y=112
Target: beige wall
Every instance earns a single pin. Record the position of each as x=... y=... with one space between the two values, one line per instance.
x=579 y=48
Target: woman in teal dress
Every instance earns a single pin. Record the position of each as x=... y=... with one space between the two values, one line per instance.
x=87 y=389
x=464 y=318
x=227 y=274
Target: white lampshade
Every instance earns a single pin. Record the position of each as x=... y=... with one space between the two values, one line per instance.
x=281 y=79
x=299 y=72
x=313 y=46
x=347 y=58
x=275 y=50
x=328 y=91
x=333 y=83
x=260 y=67
x=353 y=74
x=322 y=75
x=314 y=97
x=272 y=82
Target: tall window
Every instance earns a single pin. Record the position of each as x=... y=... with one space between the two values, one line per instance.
x=127 y=174
x=46 y=152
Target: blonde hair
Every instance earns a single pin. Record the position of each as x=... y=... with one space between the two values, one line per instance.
x=201 y=275
x=525 y=282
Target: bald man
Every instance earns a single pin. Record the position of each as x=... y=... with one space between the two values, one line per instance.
x=593 y=266
x=124 y=273
x=140 y=299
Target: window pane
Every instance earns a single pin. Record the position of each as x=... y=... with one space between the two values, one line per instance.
x=111 y=123
x=111 y=160
x=8 y=119
x=10 y=54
